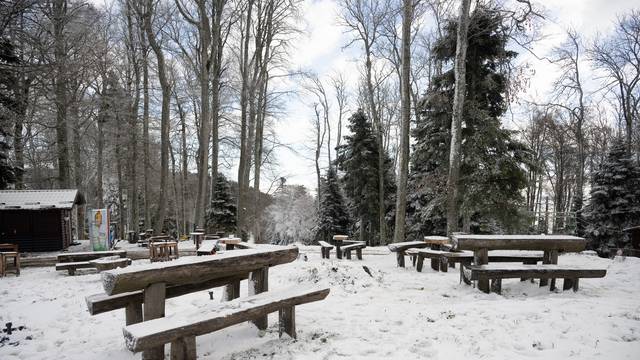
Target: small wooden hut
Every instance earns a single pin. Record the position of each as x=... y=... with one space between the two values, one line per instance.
x=38 y=220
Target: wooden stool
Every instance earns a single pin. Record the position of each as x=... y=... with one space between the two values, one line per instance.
x=4 y=260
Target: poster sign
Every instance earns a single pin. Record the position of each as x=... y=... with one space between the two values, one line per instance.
x=99 y=229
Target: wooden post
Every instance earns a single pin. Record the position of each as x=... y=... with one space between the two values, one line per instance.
x=287 y=316
x=359 y=254
x=419 y=263
x=400 y=258
x=184 y=349
x=231 y=291
x=554 y=260
x=338 y=252
x=546 y=259
x=133 y=313
x=444 y=264
x=435 y=264
x=567 y=284
x=481 y=257
x=258 y=283
x=496 y=285
x=348 y=254
x=575 y=284
x=154 y=296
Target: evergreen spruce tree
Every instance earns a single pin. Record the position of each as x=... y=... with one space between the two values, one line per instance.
x=8 y=103
x=491 y=174
x=221 y=214
x=332 y=218
x=358 y=159
x=615 y=200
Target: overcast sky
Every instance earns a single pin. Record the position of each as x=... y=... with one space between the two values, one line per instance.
x=321 y=50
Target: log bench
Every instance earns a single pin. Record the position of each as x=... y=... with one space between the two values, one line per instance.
x=207 y=247
x=180 y=330
x=496 y=272
x=401 y=248
x=346 y=250
x=110 y=263
x=71 y=267
x=442 y=260
x=325 y=249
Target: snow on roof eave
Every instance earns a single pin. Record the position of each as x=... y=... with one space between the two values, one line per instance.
x=40 y=199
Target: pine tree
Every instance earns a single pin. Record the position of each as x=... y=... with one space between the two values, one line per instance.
x=332 y=218
x=8 y=103
x=491 y=176
x=358 y=159
x=615 y=200
x=221 y=214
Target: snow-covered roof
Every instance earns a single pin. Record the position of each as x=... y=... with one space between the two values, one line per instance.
x=39 y=199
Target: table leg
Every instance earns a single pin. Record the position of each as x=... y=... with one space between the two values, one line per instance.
x=154 y=297
x=258 y=283
x=481 y=257
x=400 y=258
x=338 y=252
x=554 y=260
x=546 y=259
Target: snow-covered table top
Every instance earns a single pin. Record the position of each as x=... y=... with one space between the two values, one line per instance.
x=519 y=242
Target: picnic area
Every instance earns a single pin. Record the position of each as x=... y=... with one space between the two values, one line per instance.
x=388 y=312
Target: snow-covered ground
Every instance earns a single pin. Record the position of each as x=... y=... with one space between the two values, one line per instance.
x=396 y=314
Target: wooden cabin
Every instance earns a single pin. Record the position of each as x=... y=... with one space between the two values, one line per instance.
x=38 y=220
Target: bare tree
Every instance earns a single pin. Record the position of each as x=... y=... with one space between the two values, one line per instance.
x=455 y=154
x=403 y=171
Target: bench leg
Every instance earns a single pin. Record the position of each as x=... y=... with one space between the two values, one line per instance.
x=444 y=264
x=231 y=291
x=484 y=280
x=287 y=318
x=154 y=296
x=567 y=284
x=400 y=258
x=496 y=285
x=338 y=250
x=481 y=257
x=463 y=275
x=259 y=283
x=133 y=313
x=575 y=284
x=184 y=349
x=413 y=260
x=359 y=254
x=348 y=254
x=419 y=263
x=71 y=271
x=435 y=264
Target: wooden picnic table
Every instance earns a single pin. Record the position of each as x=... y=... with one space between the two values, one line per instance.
x=437 y=242
x=337 y=241
x=550 y=244
x=154 y=279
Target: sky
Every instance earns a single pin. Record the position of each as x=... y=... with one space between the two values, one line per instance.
x=321 y=49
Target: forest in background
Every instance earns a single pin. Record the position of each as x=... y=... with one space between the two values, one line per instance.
x=165 y=111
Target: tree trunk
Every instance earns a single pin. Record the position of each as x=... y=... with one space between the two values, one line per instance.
x=164 y=119
x=60 y=91
x=145 y=128
x=133 y=127
x=403 y=171
x=455 y=154
x=216 y=53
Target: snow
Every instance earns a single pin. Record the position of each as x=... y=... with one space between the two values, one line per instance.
x=397 y=313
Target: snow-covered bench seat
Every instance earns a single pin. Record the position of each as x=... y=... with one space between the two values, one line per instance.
x=89 y=255
x=71 y=267
x=181 y=329
x=401 y=248
x=325 y=249
x=207 y=247
x=497 y=272
x=442 y=260
x=132 y=301
x=357 y=246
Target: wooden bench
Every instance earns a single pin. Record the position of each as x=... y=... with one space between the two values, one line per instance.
x=82 y=260
x=442 y=260
x=325 y=249
x=110 y=263
x=358 y=246
x=181 y=329
x=497 y=272
x=208 y=247
x=401 y=248
x=163 y=251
